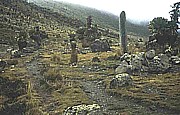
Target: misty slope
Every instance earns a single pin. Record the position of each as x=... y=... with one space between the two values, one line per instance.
x=104 y=19
x=19 y=16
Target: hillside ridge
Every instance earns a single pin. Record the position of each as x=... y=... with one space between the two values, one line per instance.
x=102 y=18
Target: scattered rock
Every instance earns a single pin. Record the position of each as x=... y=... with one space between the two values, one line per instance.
x=150 y=54
x=15 y=54
x=121 y=80
x=148 y=62
x=28 y=50
x=2 y=65
x=96 y=59
x=123 y=68
x=175 y=60
x=164 y=59
x=126 y=57
x=81 y=109
x=12 y=62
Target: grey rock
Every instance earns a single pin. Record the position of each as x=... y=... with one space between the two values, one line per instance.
x=121 y=80
x=123 y=68
x=10 y=62
x=164 y=58
x=2 y=65
x=157 y=65
x=148 y=62
x=137 y=62
x=28 y=50
x=81 y=109
x=15 y=54
x=96 y=59
x=150 y=54
x=175 y=60
x=126 y=57
x=100 y=46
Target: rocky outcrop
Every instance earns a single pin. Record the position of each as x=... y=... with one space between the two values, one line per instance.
x=147 y=62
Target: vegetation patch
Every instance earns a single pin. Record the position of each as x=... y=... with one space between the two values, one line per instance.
x=158 y=90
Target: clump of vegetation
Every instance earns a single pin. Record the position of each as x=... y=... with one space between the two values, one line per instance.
x=164 y=32
x=53 y=75
x=56 y=58
x=10 y=91
x=31 y=100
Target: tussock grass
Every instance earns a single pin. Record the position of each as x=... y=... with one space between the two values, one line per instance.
x=52 y=74
x=159 y=90
x=56 y=58
x=70 y=96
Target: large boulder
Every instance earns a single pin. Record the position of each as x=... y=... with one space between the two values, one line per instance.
x=100 y=46
x=121 y=80
x=149 y=62
x=139 y=63
x=156 y=65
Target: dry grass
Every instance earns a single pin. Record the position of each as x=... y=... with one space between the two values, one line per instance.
x=70 y=96
x=52 y=75
x=56 y=58
x=161 y=90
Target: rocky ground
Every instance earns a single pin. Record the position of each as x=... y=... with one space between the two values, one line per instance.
x=88 y=83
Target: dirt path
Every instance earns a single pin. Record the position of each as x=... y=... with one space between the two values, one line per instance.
x=47 y=104
x=113 y=105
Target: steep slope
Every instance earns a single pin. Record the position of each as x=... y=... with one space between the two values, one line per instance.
x=18 y=16
x=104 y=19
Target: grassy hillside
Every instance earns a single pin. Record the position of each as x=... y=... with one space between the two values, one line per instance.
x=57 y=19
x=19 y=16
x=104 y=19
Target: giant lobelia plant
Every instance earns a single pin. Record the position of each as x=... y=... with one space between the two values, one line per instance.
x=122 y=26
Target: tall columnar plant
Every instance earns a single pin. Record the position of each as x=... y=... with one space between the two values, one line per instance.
x=122 y=26
x=89 y=22
x=74 y=54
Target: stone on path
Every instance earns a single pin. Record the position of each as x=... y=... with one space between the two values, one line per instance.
x=121 y=80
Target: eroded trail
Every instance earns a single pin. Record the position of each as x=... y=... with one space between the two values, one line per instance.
x=34 y=68
x=114 y=105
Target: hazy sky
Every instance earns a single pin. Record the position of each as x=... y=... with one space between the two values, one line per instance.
x=139 y=10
